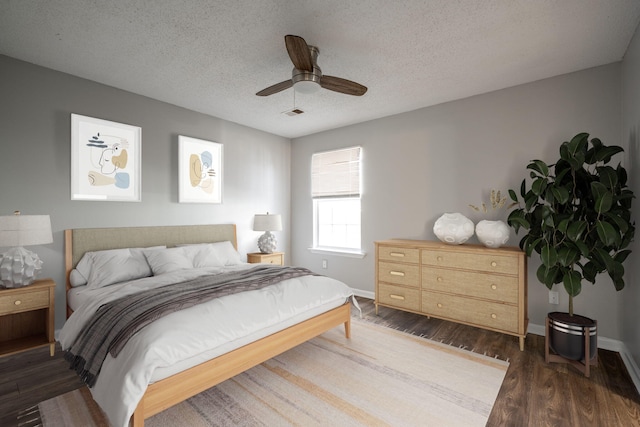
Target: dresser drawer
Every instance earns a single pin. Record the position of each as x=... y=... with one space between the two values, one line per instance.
x=24 y=301
x=467 y=283
x=398 y=296
x=401 y=274
x=399 y=254
x=481 y=313
x=468 y=261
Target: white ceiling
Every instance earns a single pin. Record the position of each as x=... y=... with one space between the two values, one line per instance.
x=212 y=56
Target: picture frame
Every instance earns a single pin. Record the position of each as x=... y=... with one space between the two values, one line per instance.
x=199 y=170
x=105 y=160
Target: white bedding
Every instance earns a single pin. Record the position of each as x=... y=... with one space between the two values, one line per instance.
x=186 y=338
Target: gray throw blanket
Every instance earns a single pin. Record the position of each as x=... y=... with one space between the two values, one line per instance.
x=115 y=322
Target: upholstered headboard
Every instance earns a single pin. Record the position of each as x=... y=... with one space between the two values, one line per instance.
x=81 y=240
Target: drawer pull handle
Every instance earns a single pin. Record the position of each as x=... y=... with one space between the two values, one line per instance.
x=439 y=305
x=398 y=297
x=18 y=302
x=396 y=273
x=439 y=279
x=494 y=287
x=493 y=315
x=397 y=254
x=494 y=264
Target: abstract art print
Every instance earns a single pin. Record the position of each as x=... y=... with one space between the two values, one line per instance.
x=105 y=160
x=200 y=171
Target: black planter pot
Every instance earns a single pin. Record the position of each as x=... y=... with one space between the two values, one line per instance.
x=567 y=335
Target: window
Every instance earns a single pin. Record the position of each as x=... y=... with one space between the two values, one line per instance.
x=335 y=188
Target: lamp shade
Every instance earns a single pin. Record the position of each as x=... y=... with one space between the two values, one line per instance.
x=25 y=230
x=267 y=222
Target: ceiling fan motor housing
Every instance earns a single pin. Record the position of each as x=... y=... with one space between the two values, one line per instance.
x=308 y=81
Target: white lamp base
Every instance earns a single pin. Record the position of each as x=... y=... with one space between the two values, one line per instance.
x=19 y=267
x=267 y=243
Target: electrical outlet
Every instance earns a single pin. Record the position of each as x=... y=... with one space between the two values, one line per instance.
x=324 y=263
x=553 y=297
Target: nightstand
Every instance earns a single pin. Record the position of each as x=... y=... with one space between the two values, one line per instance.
x=276 y=258
x=27 y=317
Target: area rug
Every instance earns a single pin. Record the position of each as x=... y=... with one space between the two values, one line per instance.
x=379 y=377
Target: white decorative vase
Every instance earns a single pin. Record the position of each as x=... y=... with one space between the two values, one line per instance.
x=453 y=228
x=492 y=234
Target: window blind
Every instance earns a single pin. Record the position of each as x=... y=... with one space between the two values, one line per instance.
x=336 y=173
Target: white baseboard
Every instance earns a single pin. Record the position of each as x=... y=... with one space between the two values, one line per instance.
x=364 y=294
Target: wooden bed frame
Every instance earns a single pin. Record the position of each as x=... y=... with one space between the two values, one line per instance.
x=181 y=386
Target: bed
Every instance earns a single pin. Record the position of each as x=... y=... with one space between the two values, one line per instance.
x=182 y=379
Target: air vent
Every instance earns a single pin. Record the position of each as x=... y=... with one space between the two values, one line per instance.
x=293 y=112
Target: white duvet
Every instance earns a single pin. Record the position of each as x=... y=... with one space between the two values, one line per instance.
x=186 y=338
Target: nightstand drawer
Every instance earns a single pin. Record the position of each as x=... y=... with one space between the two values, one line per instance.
x=276 y=258
x=24 y=301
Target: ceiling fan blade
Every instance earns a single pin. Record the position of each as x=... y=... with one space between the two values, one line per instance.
x=299 y=52
x=337 y=84
x=278 y=87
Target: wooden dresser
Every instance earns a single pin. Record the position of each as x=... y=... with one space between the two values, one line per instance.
x=469 y=284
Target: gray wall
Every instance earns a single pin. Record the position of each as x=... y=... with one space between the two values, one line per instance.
x=631 y=135
x=35 y=108
x=420 y=164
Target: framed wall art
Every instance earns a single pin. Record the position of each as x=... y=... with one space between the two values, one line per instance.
x=105 y=160
x=199 y=170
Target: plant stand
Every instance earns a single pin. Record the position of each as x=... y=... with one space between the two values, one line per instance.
x=582 y=365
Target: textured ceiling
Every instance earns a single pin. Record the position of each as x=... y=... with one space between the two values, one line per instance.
x=212 y=56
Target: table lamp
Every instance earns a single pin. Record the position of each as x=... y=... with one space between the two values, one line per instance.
x=267 y=223
x=19 y=266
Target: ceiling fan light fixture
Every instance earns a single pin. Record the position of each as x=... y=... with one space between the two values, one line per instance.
x=306 y=87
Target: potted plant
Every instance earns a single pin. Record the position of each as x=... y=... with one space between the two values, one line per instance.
x=577 y=217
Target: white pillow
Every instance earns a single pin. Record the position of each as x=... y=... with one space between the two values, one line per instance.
x=203 y=255
x=213 y=254
x=226 y=253
x=104 y=268
x=168 y=260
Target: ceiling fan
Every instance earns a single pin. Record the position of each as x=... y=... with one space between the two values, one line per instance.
x=306 y=76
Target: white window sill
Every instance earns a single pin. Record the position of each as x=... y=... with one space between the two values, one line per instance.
x=339 y=252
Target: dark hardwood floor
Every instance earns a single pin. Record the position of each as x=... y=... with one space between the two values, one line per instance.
x=532 y=394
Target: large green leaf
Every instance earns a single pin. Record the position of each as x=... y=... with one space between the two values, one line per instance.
x=622 y=224
x=608 y=176
x=549 y=256
x=582 y=247
x=603 y=197
x=547 y=275
x=622 y=175
x=604 y=154
x=572 y=282
x=567 y=255
x=589 y=272
x=517 y=219
x=607 y=233
x=575 y=230
x=622 y=255
x=538 y=186
x=561 y=194
x=513 y=196
x=539 y=166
